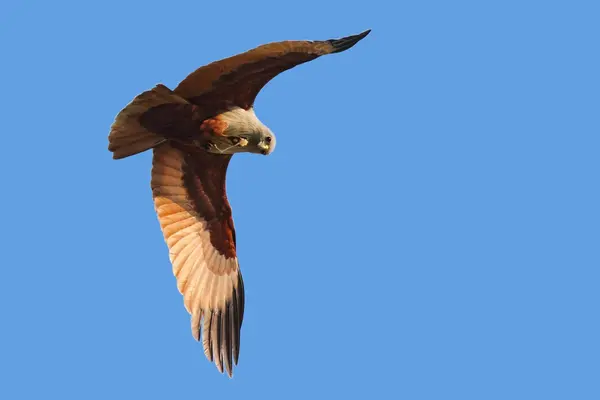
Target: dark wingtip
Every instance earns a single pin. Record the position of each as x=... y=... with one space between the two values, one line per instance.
x=346 y=42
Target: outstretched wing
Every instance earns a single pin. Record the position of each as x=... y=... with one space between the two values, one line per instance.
x=188 y=187
x=237 y=80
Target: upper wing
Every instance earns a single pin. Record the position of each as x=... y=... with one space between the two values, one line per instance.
x=195 y=217
x=237 y=80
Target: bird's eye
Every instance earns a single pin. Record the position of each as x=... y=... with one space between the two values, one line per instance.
x=268 y=139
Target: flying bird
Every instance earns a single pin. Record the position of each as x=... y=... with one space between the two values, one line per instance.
x=194 y=130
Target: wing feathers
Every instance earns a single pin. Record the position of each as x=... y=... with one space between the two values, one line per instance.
x=127 y=135
x=190 y=201
x=216 y=340
x=206 y=336
x=238 y=79
x=195 y=321
x=235 y=327
x=226 y=347
x=339 y=45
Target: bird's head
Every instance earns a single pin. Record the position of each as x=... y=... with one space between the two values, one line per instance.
x=265 y=141
x=244 y=134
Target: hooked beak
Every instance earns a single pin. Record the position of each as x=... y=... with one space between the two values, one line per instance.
x=264 y=148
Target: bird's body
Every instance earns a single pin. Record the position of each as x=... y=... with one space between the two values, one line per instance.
x=194 y=130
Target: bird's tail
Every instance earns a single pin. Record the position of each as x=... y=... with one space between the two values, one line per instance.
x=127 y=136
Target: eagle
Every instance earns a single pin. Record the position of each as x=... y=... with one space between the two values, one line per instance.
x=193 y=131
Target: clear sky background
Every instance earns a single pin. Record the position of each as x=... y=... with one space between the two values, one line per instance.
x=427 y=228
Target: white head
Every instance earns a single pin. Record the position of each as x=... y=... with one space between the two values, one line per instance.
x=244 y=133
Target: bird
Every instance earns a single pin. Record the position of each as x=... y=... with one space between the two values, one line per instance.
x=193 y=132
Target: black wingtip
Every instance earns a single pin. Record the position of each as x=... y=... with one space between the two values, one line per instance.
x=346 y=42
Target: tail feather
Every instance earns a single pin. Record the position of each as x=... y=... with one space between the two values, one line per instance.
x=127 y=136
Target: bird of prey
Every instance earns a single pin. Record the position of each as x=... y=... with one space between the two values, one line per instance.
x=194 y=130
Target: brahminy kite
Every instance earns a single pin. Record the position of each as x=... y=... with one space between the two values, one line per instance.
x=194 y=130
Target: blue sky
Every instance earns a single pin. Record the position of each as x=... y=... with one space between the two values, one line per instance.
x=428 y=227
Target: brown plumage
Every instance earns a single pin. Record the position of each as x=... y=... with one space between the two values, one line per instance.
x=194 y=130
